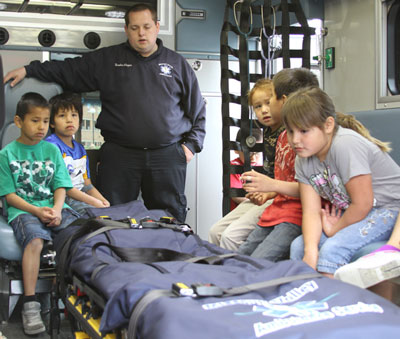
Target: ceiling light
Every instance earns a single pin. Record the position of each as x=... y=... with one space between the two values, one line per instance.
x=115 y=14
x=2 y=7
x=59 y=3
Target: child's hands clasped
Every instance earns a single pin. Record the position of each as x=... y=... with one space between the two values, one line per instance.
x=56 y=219
x=49 y=216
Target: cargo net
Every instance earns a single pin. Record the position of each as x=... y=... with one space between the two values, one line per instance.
x=261 y=30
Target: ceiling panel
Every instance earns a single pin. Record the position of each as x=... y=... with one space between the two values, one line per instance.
x=93 y=8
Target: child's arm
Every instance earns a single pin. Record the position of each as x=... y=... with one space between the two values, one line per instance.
x=361 y=194
x=257 y=182
x=259 y=198
x=59 y=199
x=45 y=214
x=76 y=194
x=96 y=194
x=311 y=223
x=238 y=200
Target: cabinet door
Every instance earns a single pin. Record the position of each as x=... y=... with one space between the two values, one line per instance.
x=210 y=171
x=204 y=176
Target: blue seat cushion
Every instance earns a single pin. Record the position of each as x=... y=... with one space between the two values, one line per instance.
x=10 y=249
x=367 y=250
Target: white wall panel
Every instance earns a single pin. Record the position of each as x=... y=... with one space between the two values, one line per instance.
x=204 y=177
x=351 y=30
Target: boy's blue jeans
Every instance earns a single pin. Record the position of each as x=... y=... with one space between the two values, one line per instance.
x=28 y=227
x=338 y=250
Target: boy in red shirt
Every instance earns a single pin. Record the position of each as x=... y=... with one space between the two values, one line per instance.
x=280 y=222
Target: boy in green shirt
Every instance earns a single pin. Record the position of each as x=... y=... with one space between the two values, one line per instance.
x=33 y=180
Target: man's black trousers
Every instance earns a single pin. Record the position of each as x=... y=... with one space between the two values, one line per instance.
x=159 y=174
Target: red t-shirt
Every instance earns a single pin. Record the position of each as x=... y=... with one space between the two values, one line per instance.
x=283 y=208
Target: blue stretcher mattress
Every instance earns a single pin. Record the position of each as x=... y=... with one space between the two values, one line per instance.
x=307 y=308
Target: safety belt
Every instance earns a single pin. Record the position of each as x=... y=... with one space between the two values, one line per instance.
x=153 y=295
x=151 y=255
x=89 y=228
x=86 y=227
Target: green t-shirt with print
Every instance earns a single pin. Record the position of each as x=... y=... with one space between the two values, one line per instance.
x=33 y=172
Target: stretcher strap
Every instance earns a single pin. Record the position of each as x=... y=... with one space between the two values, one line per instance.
x=153 y=295
x=211 y=260
x=264 y=284
x=143 y=255
x=86 y=226
x=151 y=255
x=141 y=305
x=93 y=227
x=100 y=231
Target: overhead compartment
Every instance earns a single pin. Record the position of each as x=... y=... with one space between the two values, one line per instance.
x=73 y=25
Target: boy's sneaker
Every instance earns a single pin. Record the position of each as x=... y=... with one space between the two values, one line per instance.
x=371 y=269
x=31 y=319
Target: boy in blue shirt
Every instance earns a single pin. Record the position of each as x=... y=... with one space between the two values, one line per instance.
x=33 y=180
x=65 y=120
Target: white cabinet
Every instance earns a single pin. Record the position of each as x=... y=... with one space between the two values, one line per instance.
x=204 y=176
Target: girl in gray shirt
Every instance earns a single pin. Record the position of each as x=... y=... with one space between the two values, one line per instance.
x=338 y=162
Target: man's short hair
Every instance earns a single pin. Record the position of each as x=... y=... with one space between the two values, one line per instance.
x=139 y=8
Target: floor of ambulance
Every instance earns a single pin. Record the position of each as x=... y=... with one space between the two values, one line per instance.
x=13 y=328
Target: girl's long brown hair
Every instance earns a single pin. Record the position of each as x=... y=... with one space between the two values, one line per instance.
x=312 y=106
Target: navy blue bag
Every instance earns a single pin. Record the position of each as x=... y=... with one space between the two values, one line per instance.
x=140 y=293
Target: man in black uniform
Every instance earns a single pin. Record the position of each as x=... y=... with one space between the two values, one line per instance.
x=153 y=114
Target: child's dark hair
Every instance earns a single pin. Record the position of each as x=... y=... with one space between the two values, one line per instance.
x=309 y=107
x=65 y=101
x=290 y=80
x=28 y=101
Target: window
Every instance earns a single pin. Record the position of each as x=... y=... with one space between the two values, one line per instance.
x=90 y=135
x=316 y=49
x=85 y=124
x=388 y=53
x=393 y=48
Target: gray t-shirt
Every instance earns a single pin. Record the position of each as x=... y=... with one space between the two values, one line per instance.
x=351 y=155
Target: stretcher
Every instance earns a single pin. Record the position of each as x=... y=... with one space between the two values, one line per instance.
x=147 y=277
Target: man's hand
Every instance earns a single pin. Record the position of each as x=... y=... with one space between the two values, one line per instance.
x=188 y=153
x=17 y=75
